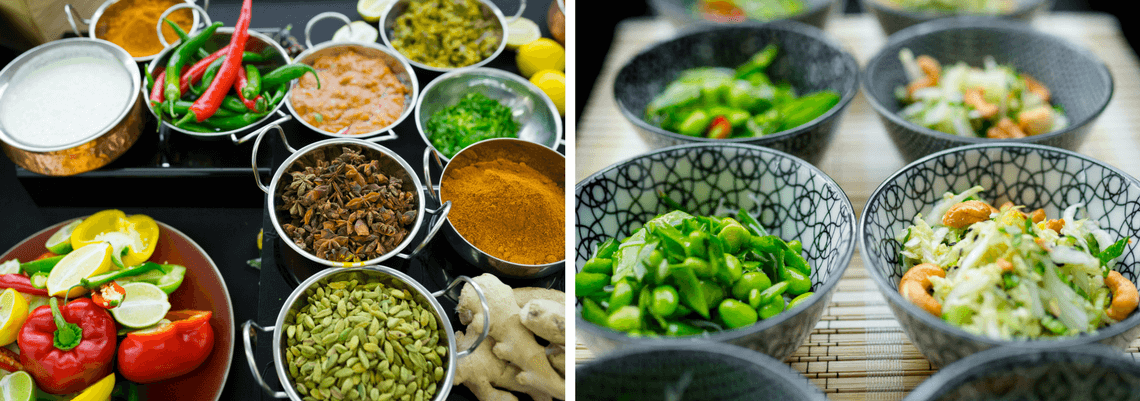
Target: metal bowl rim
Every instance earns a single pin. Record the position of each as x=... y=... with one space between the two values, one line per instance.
x=115 y=51
x=1022 y=7
x=272 y=200
x=408 y=108
x=502 y=43
x=893 y=296
x=538 y=267
x=972 y=23
x=825 y=290
x=102 y=8
x=674 y=7
x=444 y=386
x=269 y=113
x=495 y=74
x=810 y=32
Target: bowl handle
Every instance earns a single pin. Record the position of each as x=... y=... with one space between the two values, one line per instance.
x=430 y=153
x=441 y=218
x=249 y=336
x=321 y=16
x=522 y=7
x=482 y=303
x=67 y=10
x=257 y=145
x=201 y=11
x=244 y=139
x=386 y=137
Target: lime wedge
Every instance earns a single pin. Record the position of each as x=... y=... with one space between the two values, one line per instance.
x=357 y=31
x=371 y=10
x=10 y=266
x=521 y=32
x=82 y=263
x=17 y=386
x=60 y=242
x=143 y=305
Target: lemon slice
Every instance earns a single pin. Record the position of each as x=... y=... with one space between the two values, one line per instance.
x=81 y=263
x=13 y=313
x=521 y=32
x=143 y=305
x=60 y=242
x=357 y=31
x=371 y=10
x=17 y=386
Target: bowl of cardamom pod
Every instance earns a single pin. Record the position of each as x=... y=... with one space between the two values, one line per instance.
x=363 y=333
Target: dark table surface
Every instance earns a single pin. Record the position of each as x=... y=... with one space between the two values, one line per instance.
x=225 y=219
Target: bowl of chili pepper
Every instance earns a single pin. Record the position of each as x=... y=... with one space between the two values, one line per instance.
x=214 y=98
x=783 y=85
x=721 y=242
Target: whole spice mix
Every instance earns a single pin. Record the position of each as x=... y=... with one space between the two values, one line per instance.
x=359 y=336
x=131 y=25
x=346 y=210
x=508 y=209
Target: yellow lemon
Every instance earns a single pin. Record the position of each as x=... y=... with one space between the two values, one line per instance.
x=99 y=391
x=81 y=263
x=553 y=84
x=541 y=54
x=13 y=314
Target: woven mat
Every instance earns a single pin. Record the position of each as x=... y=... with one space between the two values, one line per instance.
x=858 y=351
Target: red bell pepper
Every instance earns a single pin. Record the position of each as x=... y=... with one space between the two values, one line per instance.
x=68 y=348
x=171 y=350
x=21 y=283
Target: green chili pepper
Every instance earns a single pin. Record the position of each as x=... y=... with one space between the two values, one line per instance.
x=277 y=95
x=233 y=122
x=232 y=103
x=183 y=107
x=40 y=265
x=800 y=111
x=286 y=73
x=599 y=265
x=195 y=127
x=253 y=82
x=736 y=314
x=799 y=299
x=589 y=283
x=759 y=61
x=149 y=79
x=622 y=296
x=626 y=318
x=695 y=123
x=39 y=279
x=185 y=37
x=674 y=96
x=96 y=281
x=167 y=277
x=181 y=56
x=208 y=75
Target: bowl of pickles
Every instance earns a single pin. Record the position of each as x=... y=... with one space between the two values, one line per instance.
x=781 y=85
x=722 y=242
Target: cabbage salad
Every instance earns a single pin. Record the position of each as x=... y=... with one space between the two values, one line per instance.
x=994 y=101
x=1009 y=276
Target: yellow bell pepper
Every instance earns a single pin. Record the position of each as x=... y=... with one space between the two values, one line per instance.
x=139 y=233
x=100 y=391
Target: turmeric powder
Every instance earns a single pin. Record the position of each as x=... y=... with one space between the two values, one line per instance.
x=131 y=25
x=508 y=210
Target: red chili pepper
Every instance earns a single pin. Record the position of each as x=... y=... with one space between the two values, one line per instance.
x=209 y=102
x=10 y=361
x=108 y=295
x=720 y=128
x=21 y=283
x=172 y=350
x=239 y=86
x=68 y=348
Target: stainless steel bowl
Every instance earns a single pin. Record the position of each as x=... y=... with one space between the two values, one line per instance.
x=543 y=159
x=91 y=151
x=328 y=149
x=257 y=43
x=538 y=119
x=93 y=22
x=392 y=278
x=397 y=8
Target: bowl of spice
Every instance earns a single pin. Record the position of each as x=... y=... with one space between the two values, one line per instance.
x=508 y=207
x=443 y=35
x=131 y=24
x=367 y=89
x=363 y=333
x=463 y=107
x=346 y=202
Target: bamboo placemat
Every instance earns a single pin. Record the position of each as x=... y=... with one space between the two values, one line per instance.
x=858 y=350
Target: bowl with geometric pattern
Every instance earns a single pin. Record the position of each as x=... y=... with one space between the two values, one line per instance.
x=789 y=197
x=1035 y=176
x=1091 y=372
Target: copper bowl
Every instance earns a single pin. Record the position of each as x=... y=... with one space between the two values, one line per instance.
x=556 y=20
x=93 y=150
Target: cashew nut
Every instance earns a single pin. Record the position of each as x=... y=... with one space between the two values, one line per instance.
x=933 y=72
x=1055 y=225
x=914 y=86
x=1036 y=121
x=1037 y=87
x=915 y=287
x=974 y=97
x=963 y=214
x=1037 y=216
x=1124 y=296
x=1004 y=265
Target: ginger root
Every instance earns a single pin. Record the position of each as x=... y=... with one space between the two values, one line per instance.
x=527 y=294
x=513 y=342
x=556 y=353
x=547 y=319
x=482 y=372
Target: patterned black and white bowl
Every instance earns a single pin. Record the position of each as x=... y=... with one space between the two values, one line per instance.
x=1078 y=81
x=808 y=59
x=1026 y=174
x=795 y=201
x=698 y=371
x=894 y=18
x=684 y=12
x=1093 y=373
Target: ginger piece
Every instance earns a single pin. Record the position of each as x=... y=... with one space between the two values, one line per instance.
x=513 y=341
x=482 y=372
x=556 y=353
x=546 y=319
x=526 y=294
